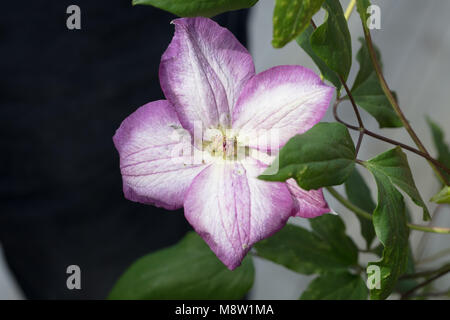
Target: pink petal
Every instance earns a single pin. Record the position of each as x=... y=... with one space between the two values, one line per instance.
x=279 y=103
x=155 y=164
x=307 y=204
x=231 y=209
x=203 y=71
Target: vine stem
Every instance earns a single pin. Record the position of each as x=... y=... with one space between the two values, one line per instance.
x=367 y=215
x=434 y=257
x=347 y=90
x=396 y=107
x=362 y=130
x=385 y=139
x=433 y=294
x=425 y=274
x=355 y=108
x=349 y=9
x=439 y=273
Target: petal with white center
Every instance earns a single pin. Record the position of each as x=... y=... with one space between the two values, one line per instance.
x=277 y=104
x=307 y=204
x=155 y=156
x=231 y=209
x=203 y=71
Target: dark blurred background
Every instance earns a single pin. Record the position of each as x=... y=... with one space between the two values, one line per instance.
x=63 y=93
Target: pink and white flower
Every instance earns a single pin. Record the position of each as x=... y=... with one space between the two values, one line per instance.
x=209 y=78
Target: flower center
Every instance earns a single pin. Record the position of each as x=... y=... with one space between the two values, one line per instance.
x=223 y=144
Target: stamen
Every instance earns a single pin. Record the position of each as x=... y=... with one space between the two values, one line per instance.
x=223 y=145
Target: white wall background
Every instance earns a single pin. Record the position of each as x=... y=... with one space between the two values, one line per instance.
x=415 y=46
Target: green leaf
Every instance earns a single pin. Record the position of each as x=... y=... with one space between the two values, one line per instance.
x=359 y=194
x=304 y=42
x=361 y=7
x=442 y=196
x=336 y=286
x=309 y=252
x=370 y=96
x=194 y=8
x=439 y=142
x=367 y=90
x=290 y=18
x=390 y=222
x=331 y=229
x=322 y=156
x=394 y=165
x=404 y=285
x=331 y=41
x=366 y=68
x=187 y=270
x=368 y=93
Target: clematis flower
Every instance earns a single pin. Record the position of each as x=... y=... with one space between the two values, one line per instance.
x=219 y=107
